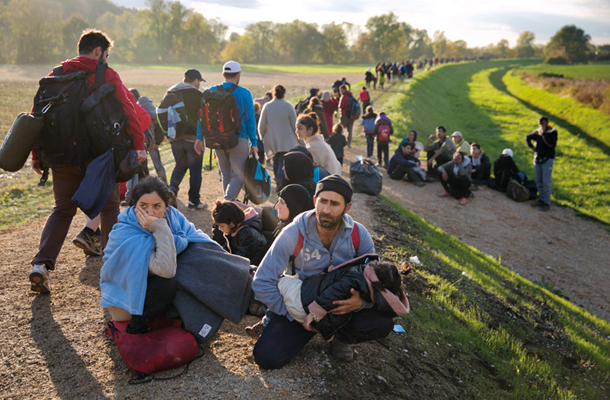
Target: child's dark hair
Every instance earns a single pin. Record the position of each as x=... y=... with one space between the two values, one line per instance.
x=310 y=120
x=150 y=184
x=389 y=279
x=225 y=212
x=338 y=129
x=314 y=101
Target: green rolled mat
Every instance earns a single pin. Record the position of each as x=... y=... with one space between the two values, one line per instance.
x=20 y=140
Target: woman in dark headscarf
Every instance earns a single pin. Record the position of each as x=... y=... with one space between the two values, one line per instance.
x=298 y=168
x=292 y=200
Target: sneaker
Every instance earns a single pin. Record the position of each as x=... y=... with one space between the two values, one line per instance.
x=444 y=194
x=419 y=183
x=341 y=351
x=475 y=187
x=196 y=207
x=463 y=201
x=256 y=330
x=40 y=279
x=544 y=207
x=89 y=243
x=173 y=201
x=124 y=203
x=537 y=203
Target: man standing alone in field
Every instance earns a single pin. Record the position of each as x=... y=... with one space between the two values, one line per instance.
x=93 y=49
x=545 y=138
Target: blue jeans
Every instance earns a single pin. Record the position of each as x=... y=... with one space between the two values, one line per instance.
x=282 y=339
x=155 y=156
x=543 y=180
x=187 y=158
x=370 y=144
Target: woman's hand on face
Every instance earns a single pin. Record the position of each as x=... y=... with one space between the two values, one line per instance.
x=144 y=219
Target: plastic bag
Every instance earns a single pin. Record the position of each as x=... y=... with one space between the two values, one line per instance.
x=365 y=177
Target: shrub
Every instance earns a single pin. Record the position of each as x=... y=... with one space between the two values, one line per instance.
x=556 y=61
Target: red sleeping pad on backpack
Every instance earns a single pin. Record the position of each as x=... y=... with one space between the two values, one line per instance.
x=166 y=346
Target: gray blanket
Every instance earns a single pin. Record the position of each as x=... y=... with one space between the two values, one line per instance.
x=219 y=281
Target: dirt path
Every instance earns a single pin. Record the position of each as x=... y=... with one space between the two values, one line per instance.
x=570 y=252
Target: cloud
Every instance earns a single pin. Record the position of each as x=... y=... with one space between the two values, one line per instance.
x=249 y=4
x=545 y=25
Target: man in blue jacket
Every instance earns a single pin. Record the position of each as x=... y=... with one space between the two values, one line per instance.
x=327 y=240
x=232 y=161
x=545 y=138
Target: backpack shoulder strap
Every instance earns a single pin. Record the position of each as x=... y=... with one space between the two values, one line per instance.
x=297 y=250
x=355 y=237
x=100 y=75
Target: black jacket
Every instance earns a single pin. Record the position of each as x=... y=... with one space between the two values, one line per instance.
x=249 y=242
x=505 y=169
x=335 y=285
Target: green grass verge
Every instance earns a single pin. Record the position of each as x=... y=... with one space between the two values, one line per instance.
x=584 y=120
x=593 y=71
x=501 y=334
x=473 y=99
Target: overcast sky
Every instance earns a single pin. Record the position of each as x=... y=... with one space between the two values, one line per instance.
x=478 y=22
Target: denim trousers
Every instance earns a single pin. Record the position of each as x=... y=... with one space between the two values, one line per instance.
x=543 y=180
x=186 y=159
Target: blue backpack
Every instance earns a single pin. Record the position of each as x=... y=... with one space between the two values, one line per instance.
x=369 y=126
x=353 y=108
x=257 y=183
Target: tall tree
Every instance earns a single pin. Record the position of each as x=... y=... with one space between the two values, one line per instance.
x=503 y=49
x=525 y=44
x=263 y=35
x=298 y=42
x=34 y=23
x=334 y=48
x=570 y=43
x=72 y=28
x=388 y=36
x=157 y=21
x=440 y=44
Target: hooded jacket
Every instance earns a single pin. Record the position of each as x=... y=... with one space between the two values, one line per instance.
x=545 y=143
x=192 y=103
x=82 y=63
x=400 y=159
x=313 y=259
x=248 y=241
x=344 y=102
x=461 y=170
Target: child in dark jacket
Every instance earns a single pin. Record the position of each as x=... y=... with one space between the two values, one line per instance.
x=310 y=301
x=241 y=229
x=337 y=142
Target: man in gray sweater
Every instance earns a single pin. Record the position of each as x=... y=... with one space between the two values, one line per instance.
x=326 y=236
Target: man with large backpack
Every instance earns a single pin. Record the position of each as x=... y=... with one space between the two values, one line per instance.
x=68 y=154
x=350 y=111
x=178 y=113
x=233 y=145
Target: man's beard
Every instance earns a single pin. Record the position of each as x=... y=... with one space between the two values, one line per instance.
x=329 y=224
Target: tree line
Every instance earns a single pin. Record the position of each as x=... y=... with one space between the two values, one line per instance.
x=40 y=31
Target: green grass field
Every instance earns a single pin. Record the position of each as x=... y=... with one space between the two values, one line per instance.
x=473 y=98
x=593 y=71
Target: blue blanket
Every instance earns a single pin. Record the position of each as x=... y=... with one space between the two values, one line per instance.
x=123 y=276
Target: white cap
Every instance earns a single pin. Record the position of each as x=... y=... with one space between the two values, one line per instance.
x=232 y=67
x=457 y=134
x=507 y=152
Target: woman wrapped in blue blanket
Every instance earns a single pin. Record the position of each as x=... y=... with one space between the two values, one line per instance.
x=136 y=280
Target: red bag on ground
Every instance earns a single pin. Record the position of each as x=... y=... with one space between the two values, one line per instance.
x=166 y=346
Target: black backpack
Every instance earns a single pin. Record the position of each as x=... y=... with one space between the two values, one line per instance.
x=257 y=182
x=219 y=118
x=517 y=191
x=302 y=105
x=59 y=98
x=105 y=124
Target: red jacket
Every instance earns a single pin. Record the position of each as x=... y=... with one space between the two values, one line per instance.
x=134 y=129
x=344 y=102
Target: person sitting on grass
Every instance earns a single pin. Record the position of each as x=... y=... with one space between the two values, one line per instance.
x=140 y=259
x=455 y=177
x=481 y=166
x=439 y=152
x=337 y=142
x=402 y=163
x=242 y=230
x=459 y=142
x=505 y=169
